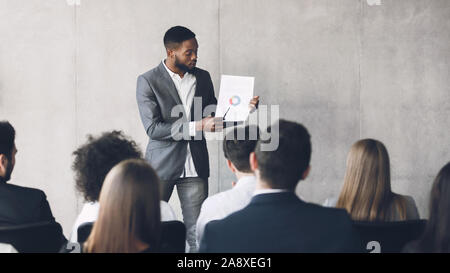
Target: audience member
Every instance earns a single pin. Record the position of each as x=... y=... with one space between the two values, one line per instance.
x=18 y=205
x=129 y=219
x=237 y=146
x=93 y=160
x=367 y=194
x=276 y=220
x=436 y=238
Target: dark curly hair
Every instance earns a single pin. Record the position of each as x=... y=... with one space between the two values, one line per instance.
x=95 y=158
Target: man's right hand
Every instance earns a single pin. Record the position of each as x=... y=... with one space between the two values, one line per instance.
x=210 y=124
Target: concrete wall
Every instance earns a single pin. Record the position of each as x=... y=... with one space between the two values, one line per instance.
x=345 y=69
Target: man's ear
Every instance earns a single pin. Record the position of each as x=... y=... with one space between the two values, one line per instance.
x=2 y=164
x=253 y=162
x=169 y=52
x=306 y=172
x=231 y=166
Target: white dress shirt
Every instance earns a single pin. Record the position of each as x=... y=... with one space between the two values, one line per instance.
x=7 y=248
x=89 y=213
x=225 y=203
x=264 y=191
x=186 y=90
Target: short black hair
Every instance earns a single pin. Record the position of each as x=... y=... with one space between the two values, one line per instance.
x=284 y=167
x=95 y=158
x=7 y=137
x=176 y=35
x=238 y=145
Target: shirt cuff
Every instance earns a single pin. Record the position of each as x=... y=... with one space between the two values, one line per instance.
x=192 y=128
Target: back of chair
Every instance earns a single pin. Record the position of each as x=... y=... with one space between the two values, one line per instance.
x=83 y=231
x=389 y=237
x=173 y=236
x=42 y=237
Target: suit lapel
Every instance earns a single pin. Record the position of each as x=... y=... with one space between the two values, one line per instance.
x=281 y=197
x=170 y=86
x=196 y=93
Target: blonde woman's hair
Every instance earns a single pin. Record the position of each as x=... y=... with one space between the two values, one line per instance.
x=129 y=210
x=366 y=193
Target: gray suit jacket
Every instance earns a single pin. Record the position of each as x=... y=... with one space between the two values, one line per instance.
x=157 y=96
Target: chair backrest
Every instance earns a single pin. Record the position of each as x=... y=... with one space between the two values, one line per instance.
x=42 y=237
x=83 y=231
x=389 y=237
x=173 y=235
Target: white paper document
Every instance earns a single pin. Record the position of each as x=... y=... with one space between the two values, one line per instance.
x=235 y=95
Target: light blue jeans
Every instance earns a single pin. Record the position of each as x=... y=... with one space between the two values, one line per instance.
x=192 y=191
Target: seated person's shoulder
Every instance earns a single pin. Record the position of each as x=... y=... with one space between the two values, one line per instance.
x=26 y=191
x=214 y=225
x=216 y=198
x=329 y=213
x=231 y=219
x=412 y=211
x=26 y=204
x=208 y=202
x=228 y=201
x=409 y=200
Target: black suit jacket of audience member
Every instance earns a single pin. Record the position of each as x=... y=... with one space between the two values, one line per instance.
x=282 y=223
x=21 y=205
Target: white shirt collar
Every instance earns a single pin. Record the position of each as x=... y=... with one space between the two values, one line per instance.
x=245 y=180
x=264 y=191
x=173 y=74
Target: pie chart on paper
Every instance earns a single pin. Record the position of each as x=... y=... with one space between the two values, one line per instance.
x=235 y=95
x=235 y=100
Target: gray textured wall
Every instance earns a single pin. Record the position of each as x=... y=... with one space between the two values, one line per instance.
x=344 y=68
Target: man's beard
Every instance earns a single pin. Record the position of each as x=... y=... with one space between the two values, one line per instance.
x=181 y=66
x=9 y=169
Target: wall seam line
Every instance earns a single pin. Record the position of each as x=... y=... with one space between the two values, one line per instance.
x=360 y=45
x=219 y=186
x=75 y=65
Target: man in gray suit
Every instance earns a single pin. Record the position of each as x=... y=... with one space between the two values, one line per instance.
x=176 y=102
